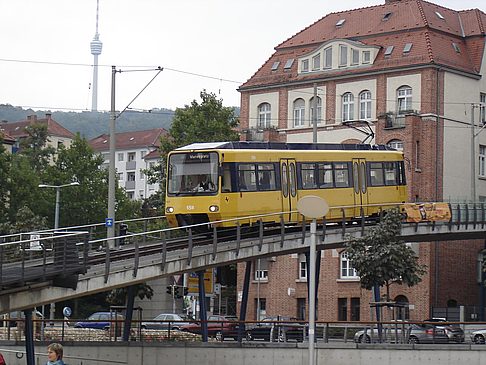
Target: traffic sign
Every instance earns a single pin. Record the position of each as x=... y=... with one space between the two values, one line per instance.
x=108 y=222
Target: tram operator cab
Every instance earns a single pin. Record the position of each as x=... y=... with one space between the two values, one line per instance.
x=213 y=182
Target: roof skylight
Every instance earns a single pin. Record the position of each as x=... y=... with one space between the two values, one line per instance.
x=439 y=15
x=456 y=47
x=289 y=63
x=275 y=65
x=389 y=50
x=340 y=22
x=387 y=16
x=407 y=47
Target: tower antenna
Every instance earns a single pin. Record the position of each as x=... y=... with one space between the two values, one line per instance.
x=96 y=47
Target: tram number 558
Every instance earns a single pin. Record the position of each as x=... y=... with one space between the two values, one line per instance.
x=190 y=207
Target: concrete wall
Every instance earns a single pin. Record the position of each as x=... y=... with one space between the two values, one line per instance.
x=261 y=354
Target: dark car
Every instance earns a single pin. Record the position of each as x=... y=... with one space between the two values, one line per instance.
x=276 y=328
x=219 y=327
x=101 y=320
x=164 y=321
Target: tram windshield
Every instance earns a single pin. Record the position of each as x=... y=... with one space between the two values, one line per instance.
x=192 y=173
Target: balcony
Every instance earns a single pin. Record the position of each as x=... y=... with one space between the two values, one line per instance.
x=394 y=120
x=130 y=185
x=131 y=165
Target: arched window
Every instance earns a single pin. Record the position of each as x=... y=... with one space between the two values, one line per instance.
x=347 y=269
x=404 y=99
x=402 y=308
x=396 y=144
x=264 y=115
x=365 y=105
x=319 y=110
x=299 y=112
x=348 y=107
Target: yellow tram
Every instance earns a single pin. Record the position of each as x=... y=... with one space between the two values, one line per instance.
x=209 y=182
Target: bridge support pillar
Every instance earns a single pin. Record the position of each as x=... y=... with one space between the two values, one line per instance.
x=129 y=315
x=203 y=314
x=244 y=301
x=29 y=337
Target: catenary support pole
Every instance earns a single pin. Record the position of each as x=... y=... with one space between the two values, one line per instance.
x=29 y=337
x=244 y=301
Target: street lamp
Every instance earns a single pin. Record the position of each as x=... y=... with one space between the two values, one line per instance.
x=56 y=221
x=58 y=194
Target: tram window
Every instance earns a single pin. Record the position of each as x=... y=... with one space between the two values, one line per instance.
x=308 y=175
x=226 y=179
x=247 y=177
x=326 y=178
x=376 y=174
x=390 y=173
x=292 y=180
x=266 y=177
x=285 y=183
x=341 y=174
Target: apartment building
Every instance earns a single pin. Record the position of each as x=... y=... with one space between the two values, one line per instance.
x=135 y=153
x=406 y=73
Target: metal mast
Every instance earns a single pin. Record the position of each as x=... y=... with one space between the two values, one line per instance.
x=96 y=47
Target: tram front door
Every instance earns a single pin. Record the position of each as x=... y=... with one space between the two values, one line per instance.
x=288 y=181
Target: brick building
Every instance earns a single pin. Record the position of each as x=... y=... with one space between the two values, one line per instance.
x=410 y=72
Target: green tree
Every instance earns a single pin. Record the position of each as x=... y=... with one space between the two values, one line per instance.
x=119 y=296
x=381 y=258
x=35 y=147
x=208 y=121
x=5 y=163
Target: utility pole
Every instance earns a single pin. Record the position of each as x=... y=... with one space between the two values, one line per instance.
x=111 y=172
x=473 y=157
x=314 y=115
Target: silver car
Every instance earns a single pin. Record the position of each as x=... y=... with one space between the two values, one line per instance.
x=164 y=321
x=409 y=333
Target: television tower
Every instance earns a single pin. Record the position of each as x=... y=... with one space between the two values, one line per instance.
x=96 y=47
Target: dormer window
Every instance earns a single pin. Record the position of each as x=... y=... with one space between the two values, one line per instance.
x=354 y=57
x=340 y=22
x=316 y=62
x=343 y=55
x=328 y=57
x=304 y=66
x=366 y=56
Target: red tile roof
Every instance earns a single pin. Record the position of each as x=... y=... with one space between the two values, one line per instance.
x=152 y=155
x=127 y=140
x=5 y=137
x=17 y=129
x=411 y=21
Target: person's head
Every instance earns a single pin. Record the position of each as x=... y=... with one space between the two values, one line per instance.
x=54 y=352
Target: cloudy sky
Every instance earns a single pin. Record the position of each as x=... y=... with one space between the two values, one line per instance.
x=45 y=59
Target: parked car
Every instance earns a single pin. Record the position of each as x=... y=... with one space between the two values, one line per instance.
x=453 y=331
x=478 y=336
x=410 y=333
x=101 y=320
x=219 y=327
x=164 y=321
x=276 y=328
x=13 y=316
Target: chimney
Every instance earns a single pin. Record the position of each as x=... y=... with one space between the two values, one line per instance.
x=32 y=117
x=48 y=116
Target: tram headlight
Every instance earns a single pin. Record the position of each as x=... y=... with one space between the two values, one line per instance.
x=169 y=210
x=213 y=208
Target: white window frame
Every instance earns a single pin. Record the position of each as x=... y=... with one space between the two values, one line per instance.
x=348 y=106
x=302 y=267
x=365 y=105
x=264 y=115
x=482 y=107
x=346 y=270
x=328 y=57
x=354 y=57
x=404 y=99
x=316 y=62
x=131 y=156
x=121 y=156
x=482 y=161
x=319 y=110
x=396 y=144
x=366 y=57
x=343 y=55
x=304 y=66
x=299 y=112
